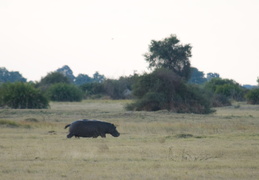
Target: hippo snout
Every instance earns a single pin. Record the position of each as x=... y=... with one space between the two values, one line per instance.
x=115 y=134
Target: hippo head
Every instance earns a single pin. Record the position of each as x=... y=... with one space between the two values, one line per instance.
x=114 y=132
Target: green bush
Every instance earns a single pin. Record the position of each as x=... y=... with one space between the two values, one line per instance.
x=92 y=90
x=219 y=100
x=52 y=78
x=116 y=88
x=225 y=87
x=252 y=96
x=112 y=88
x=22 y=96
x=64 y=92
x=163 y=89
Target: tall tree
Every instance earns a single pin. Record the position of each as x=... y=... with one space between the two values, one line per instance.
x=66 y=71
x=169 y=53
x=98 y=77
x=10 y=76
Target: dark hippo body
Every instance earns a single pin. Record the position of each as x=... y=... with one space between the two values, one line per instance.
x=91 y=128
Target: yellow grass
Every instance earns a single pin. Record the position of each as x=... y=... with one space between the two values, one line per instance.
x=152 y=145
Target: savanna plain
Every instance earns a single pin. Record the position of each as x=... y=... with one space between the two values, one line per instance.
x=152 y=145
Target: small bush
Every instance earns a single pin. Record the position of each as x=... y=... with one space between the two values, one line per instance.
x=22 y=96
x=252 y=96
x=64 y=92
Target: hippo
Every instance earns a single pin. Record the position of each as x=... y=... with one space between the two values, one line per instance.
x=91 y=128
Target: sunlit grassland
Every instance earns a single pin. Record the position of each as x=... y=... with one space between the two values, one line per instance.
x=152 y=145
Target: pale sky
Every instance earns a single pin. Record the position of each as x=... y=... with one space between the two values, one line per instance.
x=111 y=36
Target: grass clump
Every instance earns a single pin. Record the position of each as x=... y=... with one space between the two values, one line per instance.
x=7 y=123
x=31 y=120
x=184 y=135
x=13 y=124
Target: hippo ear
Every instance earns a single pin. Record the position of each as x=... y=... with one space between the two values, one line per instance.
x=116 y=125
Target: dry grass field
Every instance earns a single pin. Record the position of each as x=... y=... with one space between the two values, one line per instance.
x=152 y=145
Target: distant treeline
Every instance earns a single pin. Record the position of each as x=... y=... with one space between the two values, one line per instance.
x=196 y=77
x=172 y=84
x=15 y=76
x=161 y=89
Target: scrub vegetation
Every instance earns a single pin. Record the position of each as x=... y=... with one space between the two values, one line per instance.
x=152 y=145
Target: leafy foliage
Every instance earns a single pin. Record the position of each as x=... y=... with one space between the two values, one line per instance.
x=163 y=89
x=212 y=75
x=20 y=95
x=53 y=78
x=197 y=77
x=67 y=72
x=226 y=87
x=220 y=100
x=119 y=89
x=10 y=76
x=64 y=92
x=83 y=79
x=98 y=77
x=169 y=53
x=92 y=90
x=112 y=88
x=253 y=96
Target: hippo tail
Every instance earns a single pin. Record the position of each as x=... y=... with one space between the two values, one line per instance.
x=67 y=126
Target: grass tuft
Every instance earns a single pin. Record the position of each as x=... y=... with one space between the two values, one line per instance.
x=184 y=135
x=7 y=123
x=13 y=124
x=31 y=120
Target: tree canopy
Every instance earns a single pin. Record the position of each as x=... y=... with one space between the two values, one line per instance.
x=10 y=76
x=54 y=77
x=169 y=53
x=212 y=75
x=67 y=72
x=197 y=77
